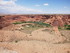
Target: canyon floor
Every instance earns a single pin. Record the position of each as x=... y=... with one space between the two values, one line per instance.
x=26 y=38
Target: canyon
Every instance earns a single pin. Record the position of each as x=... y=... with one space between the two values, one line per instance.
x=34 y=33
x=54 y=20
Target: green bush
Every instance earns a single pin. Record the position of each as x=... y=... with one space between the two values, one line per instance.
x=67 y=27
x=17 y=23
x=59 y=27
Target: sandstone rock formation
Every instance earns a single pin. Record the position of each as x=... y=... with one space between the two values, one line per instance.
x=7 y=19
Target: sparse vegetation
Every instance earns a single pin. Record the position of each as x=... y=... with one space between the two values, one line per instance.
x=16 y=41
x=59 y=27
x=66 y=27
x=17 y=23
x=28 y=28
x=39 y=23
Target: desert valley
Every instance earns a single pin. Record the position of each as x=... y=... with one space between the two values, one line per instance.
x=36 y=33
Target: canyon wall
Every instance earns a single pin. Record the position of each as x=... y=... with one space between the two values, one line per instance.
x=54 y=20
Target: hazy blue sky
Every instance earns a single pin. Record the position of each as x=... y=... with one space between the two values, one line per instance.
x=35 y=6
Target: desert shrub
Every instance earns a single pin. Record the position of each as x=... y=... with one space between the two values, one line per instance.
x=67 y=27
x=16 y=41
x=59 y=27
x=17 y=23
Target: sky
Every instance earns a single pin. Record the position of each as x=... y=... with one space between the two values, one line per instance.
x=35 y=6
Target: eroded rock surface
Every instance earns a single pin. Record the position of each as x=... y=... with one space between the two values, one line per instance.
x=8 y=19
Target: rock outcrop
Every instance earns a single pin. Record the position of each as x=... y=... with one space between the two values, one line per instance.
x=55 y=20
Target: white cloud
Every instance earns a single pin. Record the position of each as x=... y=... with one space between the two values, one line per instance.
x=46 y=4
x=13 y=0
x=7 y=3
x=12 y=7
x=37 y=5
